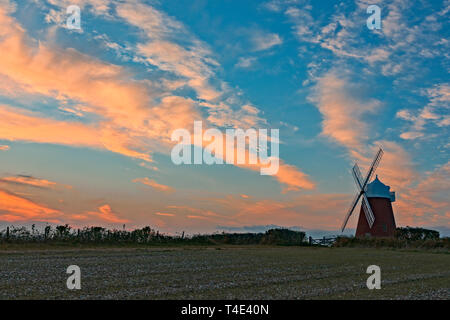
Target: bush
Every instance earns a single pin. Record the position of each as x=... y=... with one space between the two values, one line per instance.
x=283 y=237
x=415 y=241
x=414 y=234
x=146 y=235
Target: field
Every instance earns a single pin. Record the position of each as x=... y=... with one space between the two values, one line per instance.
x=245 y=272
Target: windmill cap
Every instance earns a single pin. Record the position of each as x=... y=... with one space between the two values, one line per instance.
x=377 y=189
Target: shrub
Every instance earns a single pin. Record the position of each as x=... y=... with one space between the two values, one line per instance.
x=414 y=234
x=421 y=242
x=146 y=235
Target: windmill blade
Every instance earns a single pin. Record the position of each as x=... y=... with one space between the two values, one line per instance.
x=373 y=167
x=350 y=211
x=368 y=211
x=357 y=176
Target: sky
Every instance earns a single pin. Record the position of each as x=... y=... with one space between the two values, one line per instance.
x=87 y=115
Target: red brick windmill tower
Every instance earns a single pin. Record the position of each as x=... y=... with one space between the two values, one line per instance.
x=376 y=217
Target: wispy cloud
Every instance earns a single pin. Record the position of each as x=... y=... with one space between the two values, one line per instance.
x=27 y=126
x=164 y=214
x=155 y=185
x=263 y=41
x=29 y=181
x=246 y=62
x=343 y=113
x=435 y=112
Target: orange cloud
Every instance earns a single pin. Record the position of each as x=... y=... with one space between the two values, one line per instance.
x=294 y=178
x=342 y=112
x=14 y=208
x=164 y=214
x=428 y=202
x=152 y=183
x=104 y=214
x=26 y=126
x=29 y=180
x=287 y=174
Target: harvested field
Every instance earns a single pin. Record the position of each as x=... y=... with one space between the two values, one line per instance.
x=224 y=273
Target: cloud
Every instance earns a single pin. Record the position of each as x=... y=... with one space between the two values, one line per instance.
x=294 y=178
x=245 y=62
x=4 y=147
x=343 y=114
x=152 y=183
x=189 y=64
x=193 y=62
x=435 y=112
x=104 y=213
x=263 y=41
x=15 y=208
x=411 y=135
x=29 y=181
x=427 y=203
x=27 y=126
x=164 y=214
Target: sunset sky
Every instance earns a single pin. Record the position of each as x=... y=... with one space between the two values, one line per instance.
x=86 y=116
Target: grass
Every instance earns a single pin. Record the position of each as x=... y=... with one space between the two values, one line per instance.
x=225 y=272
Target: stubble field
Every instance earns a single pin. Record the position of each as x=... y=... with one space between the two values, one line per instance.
x=224 y=273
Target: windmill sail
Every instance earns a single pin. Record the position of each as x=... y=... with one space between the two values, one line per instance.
x=361 y=184
x=368 y=211
x=350 y=211
x=373 y=167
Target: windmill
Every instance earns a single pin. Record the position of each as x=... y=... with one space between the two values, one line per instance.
x=376 y=216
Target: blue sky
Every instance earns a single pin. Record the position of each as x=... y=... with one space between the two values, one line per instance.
x=87 y=114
